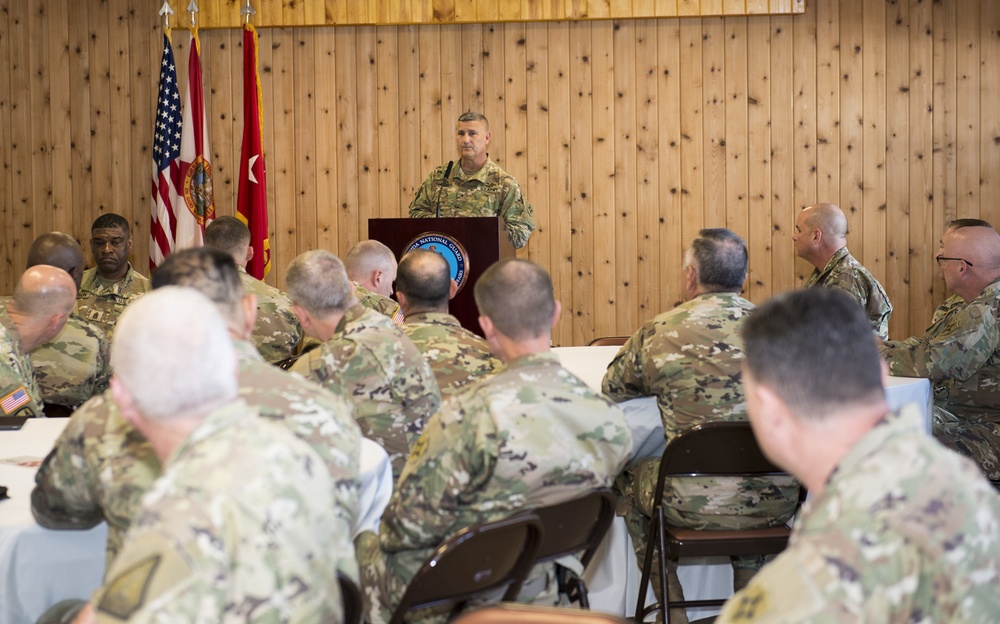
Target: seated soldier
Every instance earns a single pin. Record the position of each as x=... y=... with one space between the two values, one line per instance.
x=897 y=528
x=689 y=358
x=457 y=356
x=241 y=525
x=108 y=287
x=42 y=302
x=961 y=354
x=363 y=356
x=371 y=267
x=532 y=435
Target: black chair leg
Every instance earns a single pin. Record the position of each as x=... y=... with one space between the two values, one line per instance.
x=647 y=568
x=664 y=595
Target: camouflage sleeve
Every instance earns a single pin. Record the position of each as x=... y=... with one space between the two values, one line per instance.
x=103 y=377
x=455 y=454
x=62 y=498
x=624 y=378
x=423 y=204
x=518 y=216
x=849 y=283
x=958 y=352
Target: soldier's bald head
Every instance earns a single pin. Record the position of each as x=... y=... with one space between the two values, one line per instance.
x=44 y=290
x=978 y=245
x=425 y=278
x=516 y=295
x=828 y=218
x=59 y=250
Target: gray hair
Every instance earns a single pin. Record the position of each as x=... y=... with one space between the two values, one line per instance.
x=317 y=282
x=720 y=259
x=173 y=354
x=368 y=256
x=228 y=234
x=468 y=116
x=212 y=272
x=517 y=296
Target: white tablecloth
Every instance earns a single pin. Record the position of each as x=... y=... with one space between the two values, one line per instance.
x=613 y=575
x=39 y=567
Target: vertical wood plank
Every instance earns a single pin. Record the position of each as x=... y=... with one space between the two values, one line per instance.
x=736 y=147
x=304 y=155
x=79 y=122
x=804 y=120
x=582 y=176
x=410 y=167
x=280 y=154
x=897 y=166
x=782 y=150
x=493 y=102
x=325 y=107
x=559 y=207
x=40 y=121
x=759 y=283
x=692 y=130
x=670 y=231
x=100 y=112
x=122 y=199
x=368 y=195
x=431 y=103
x=536 y=182
x=388 y=114
x=450 y=63
x=348 y=211
x=604 y=218
x=945 y=40
x=922 y=248
x=967 y=106
x=713 y=69
x=61 y=200
x=646 y=293
x=828 y=80
x=626 y=258
x=990 y=68
x=852 y=116
x=472 y=81
x=873 y=196
x=515 y=110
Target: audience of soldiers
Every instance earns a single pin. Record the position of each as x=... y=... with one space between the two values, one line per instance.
x=230 y=487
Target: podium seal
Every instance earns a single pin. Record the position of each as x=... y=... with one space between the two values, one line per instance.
x=452 y=251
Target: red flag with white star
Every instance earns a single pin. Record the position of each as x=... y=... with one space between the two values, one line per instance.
x=251 y=201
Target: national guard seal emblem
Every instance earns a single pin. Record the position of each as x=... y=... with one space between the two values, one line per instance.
x=452 y=250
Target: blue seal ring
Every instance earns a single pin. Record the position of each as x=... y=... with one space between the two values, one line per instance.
x=452 y=250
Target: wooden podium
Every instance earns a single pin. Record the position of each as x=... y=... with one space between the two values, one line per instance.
x=481 y=240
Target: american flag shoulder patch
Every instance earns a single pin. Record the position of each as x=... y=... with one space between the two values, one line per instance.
x=14 y=401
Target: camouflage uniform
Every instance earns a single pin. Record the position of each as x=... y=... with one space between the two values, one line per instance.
x=102 y=302
x=100 y=466
x=241 y=526
x=962 y=358
x=488 y=192
x=905 y=531
x=532 y=435
x=457 y=356
x=689 y=358
x=277 y=332
x=377 y=302
x=19 y=393
x=845 y=273
x=372 y=362
x=75 y=365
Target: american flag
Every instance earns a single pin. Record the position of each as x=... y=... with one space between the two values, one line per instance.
x=166 y=150
x=14 y=400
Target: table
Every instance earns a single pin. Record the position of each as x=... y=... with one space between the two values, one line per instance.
x=39 y=566
x=613 y=576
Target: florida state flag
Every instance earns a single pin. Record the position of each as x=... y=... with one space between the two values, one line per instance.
x=251 y=201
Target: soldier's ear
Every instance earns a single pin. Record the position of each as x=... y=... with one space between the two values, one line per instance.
x=249 y=314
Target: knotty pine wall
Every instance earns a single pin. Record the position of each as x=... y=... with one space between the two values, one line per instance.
x=627 y=136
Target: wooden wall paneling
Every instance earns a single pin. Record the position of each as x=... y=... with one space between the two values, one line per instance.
x=40 y=122
x=780 y=6
x=711 y=7
x=967 y=134
x=598 y=9
x=990 y=145
x=558 y=206
x=348 y=213
x=387 y=118
x=315 y=12
x=782 y=155
x=736 y=147
x=714 y=70
x=604 y=218
x=758 y=6
x=643 y=8
x=734 y=7
x=872 y=247
x=582 y=183
x=367 y=130
x=471 y=81
x=625 y=212
x=22 y=208
x=897 y=71
x=688 y=7
x=621 y=9
x=430 y=96
x=61 y=195
x=851 y=118
x=692 y=130
x=487 y=10
x=7 y=163
x=451 y=68
x=669 y=232
x=828 y=80
x=325 y=111
x=923 y=269
x=410 y=166
x=293 y=13
x=122 y=197
x=515 y=109
x=492 y=102
x=759 y=283
x=268 y=12
x=144 y=41
x=466 y=10
x=280 y=155
x=79 y=119
x=304 y=146
x=535 y=184
x=646 y=296
x=222 y=69
x=335 y=11
x=100 y=117
x=511 y=10
x=666 y=8
x=804 y=96
x=945 y=183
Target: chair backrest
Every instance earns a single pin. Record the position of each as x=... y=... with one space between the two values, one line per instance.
x=513 y=613
x=716 y=449
x=350 y=595
x=576 y=525
x=474 y=561
x=608 y=341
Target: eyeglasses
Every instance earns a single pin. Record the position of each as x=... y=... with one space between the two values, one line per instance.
x=940 y=258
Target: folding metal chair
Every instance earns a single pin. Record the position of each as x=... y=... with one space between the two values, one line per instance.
x=350 y=595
